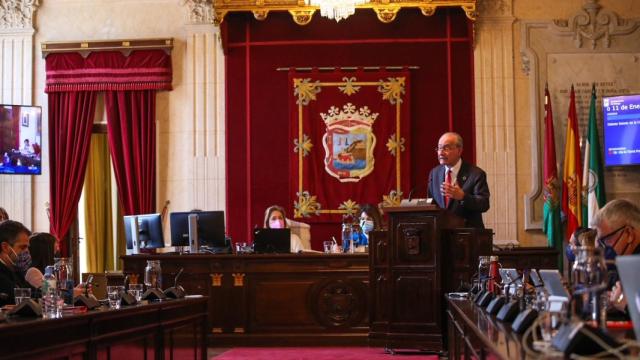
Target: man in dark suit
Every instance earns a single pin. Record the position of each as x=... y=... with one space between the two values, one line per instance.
x=456 y=185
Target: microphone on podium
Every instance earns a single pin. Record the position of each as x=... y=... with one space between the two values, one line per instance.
x=410 y=201
x=34 y=277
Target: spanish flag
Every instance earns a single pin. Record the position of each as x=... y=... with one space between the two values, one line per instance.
x=572 y=173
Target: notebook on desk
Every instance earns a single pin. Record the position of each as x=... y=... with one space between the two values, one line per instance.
x=269 y=241
x=628 y=269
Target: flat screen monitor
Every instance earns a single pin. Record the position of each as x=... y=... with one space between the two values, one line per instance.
x=210 y=228
x=621 y=130
x=267 y=241
x=149 y=231
x=20 y=139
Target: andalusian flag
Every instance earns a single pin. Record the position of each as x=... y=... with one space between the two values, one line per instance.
x=593 y=176
x=551 y=218
x=572 y=174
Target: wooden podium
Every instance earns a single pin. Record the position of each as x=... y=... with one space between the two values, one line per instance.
x=425 y=253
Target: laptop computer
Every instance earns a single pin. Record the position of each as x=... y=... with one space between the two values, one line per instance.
x=270 y=241
x=628 y=269
x=553 y=284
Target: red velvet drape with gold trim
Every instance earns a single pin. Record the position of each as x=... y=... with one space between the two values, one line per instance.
x=73 y=83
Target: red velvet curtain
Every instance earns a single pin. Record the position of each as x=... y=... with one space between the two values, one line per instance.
x=70 y=120
x=131 y=82
x=132 y=143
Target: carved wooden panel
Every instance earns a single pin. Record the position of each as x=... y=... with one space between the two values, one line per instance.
x=415 y=300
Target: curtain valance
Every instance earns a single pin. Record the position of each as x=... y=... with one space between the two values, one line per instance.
x=109 y=70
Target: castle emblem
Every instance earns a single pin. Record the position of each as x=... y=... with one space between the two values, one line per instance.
x=349 y=142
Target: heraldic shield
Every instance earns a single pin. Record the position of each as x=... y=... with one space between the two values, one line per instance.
x=349 y=142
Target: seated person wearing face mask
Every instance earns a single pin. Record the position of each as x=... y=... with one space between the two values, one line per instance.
x=14 y=259
x=274 y=218
x=370 y=219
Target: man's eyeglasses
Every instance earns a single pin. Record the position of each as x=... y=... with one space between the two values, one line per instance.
x=445 y=148
x=603 y=240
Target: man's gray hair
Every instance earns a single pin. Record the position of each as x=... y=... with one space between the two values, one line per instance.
x=617 y=213
x=458 y=137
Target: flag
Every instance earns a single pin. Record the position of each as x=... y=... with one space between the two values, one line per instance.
x=593 y=176
x=551 y=217
x=572 y=172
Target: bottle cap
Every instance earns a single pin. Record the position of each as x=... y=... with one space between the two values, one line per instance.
x=493 y=258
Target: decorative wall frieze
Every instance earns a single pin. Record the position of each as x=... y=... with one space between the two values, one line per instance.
x=200 y=11
x=595 y=26
x=17 y=14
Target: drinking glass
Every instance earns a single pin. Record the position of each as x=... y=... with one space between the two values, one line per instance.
x=115 y=296
x=327 y=246
x=21 y=294
x=136 y=291
x=554 y=315
x=241 y=247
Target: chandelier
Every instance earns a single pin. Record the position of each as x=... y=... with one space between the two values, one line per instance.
x=336 y=9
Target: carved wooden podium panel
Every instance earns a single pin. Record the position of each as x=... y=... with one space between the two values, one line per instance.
x=425 y=253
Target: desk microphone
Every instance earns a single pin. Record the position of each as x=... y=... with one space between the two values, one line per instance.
x=412 y=191
x=175 y=280
x=176 y=291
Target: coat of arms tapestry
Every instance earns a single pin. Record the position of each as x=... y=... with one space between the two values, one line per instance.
x=350 y=134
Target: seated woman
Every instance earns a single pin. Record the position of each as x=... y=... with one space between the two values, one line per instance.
x=370 y=219
x=42 y=247
x=275 y=218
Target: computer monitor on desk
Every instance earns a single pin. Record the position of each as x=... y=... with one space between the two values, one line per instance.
x=143 y=232
x=272 y=241
x=208 y=225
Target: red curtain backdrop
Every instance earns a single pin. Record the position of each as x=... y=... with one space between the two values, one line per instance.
x=70 y=121
x=348 y=130
x=132 y=142
x=131 y=82
x=257 y=103
x=109 y=70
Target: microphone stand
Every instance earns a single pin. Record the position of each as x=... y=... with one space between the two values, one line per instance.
x=176 y=291
x=127 y=299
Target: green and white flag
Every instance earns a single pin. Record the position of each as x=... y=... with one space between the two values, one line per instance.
x=593 y=177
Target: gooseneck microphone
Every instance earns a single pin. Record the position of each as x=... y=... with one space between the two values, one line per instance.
x=175 y=280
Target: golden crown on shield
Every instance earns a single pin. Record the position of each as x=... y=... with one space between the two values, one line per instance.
x=349 y=112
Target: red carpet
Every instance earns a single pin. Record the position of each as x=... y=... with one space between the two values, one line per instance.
x=316 y=353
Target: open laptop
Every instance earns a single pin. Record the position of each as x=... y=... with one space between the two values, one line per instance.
x=628 y=269
x=552 y=280
x=269 y=241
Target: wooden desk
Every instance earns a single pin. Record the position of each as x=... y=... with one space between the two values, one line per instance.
x=473 y=334
x=171 y=329
x=284 y=299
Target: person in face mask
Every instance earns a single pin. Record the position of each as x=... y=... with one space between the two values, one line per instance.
x=369 y=220
x=14 y=259
x=275 y=218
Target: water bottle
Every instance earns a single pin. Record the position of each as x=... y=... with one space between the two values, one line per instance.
x=347 y=234
x=153 y=275
x=50 y=298
x=494 y=274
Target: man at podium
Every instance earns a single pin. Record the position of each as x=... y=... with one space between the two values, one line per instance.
x=456 y=185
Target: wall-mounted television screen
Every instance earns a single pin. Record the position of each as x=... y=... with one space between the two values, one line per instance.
x=20 y=139
x=621 y=130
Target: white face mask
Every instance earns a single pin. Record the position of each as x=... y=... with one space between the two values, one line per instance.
x=366 y=225
x=276 y=224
